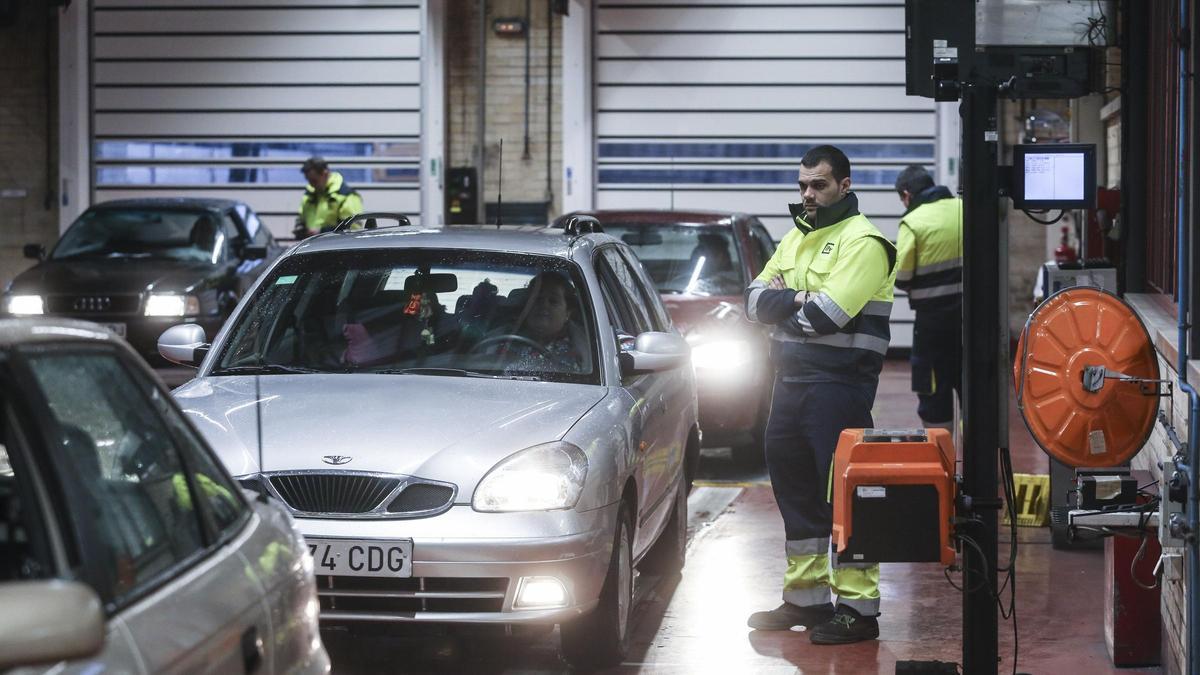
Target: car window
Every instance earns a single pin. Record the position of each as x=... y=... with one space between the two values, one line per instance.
x=764 y=244
x=124 y=466
x=683 y=258
x=616 y=266
x=659 y=318
x=24 y=550
x=144 y=233
x=220 y=497
x=433 y=310
x=624 y=318
x=259 y=234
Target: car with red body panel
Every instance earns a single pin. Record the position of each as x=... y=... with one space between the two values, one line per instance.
x=701 y=263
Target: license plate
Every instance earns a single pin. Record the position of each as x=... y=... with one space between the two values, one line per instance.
x=117 y=329
x=357 y=558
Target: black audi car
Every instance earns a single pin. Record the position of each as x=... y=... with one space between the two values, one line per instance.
x=140 y=266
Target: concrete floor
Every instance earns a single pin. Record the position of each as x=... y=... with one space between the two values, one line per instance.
x=697 y=624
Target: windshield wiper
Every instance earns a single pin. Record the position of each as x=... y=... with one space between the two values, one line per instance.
x=453 y=372
x=265 y=369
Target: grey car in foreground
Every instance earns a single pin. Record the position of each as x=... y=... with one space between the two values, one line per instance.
x=470 y=426
x=124 y=545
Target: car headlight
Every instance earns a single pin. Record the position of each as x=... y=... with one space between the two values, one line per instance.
x=721 y=355
x=26 y=305
x=541 y=478
x=172 y=304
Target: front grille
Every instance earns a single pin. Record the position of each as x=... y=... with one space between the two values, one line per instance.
x=421 y=497
x=92 y=304
x=384 y=595
x=333 y=493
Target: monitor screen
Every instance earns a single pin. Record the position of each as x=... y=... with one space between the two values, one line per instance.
x=1054 y=176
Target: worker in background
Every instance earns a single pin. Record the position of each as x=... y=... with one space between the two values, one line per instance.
x=327 y=199
x=929 y=250
x=827 y=292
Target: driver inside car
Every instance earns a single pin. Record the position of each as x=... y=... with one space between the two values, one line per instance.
x=545 y=337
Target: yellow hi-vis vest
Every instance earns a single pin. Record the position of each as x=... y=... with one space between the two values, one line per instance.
x=930 y=252
x=845 y=269
x=338 y=201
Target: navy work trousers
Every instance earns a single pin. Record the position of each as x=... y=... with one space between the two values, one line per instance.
x=802 y=434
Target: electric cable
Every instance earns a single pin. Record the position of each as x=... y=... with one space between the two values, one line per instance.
x=1035 y=219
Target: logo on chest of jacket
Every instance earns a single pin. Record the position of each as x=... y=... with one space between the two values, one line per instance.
x=828 y=248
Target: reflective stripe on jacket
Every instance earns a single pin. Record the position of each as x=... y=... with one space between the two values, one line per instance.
x=845 y=269
x=327 y=208
x=930 y=249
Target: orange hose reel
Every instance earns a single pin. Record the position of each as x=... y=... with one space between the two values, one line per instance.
x=1087 y=379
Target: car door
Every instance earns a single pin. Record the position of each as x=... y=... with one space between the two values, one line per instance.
x=763 y=244
x=173 y=581
x=271 y=550
x=649 y=393
x=677 y=386
x=36 y=535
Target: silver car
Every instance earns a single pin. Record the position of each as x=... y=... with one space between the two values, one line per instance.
x=124 y=545
x=469 y=425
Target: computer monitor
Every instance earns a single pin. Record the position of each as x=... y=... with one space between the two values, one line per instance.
x=1054 y=176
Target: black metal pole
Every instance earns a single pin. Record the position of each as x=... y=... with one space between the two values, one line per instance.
x=983 y=314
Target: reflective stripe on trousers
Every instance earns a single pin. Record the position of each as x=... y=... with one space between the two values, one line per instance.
x=813 y=572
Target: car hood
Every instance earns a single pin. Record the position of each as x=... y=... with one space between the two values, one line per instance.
x=450 y=429
x=111 y=275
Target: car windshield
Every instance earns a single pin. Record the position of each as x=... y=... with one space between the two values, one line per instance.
x=143 y=233
x=689 y=259
x=418 y=311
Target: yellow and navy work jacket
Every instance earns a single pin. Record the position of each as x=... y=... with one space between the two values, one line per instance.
x=844 y=269
x=930 y=252
x=324 y=209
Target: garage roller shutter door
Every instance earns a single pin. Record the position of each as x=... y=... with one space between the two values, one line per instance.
x=217 y=98
x=712 y=104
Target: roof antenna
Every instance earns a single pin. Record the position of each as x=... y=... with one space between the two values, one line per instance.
x=500 y=187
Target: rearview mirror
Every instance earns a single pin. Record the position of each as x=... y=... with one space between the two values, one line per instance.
x=184 y=344
x=34 y=251
x=654 y=352
x=443 y=282
x=45 y=622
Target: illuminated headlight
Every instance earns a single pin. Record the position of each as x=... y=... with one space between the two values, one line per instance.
x=172 y=304
x=723 y=355
x=25 y=304
x=540 y=478
x=540 y=593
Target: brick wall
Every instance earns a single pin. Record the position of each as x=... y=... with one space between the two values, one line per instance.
x=1173 y=606
x=28 y=130
x=524 y=177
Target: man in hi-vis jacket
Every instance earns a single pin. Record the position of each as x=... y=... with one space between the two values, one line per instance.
x=827 y=293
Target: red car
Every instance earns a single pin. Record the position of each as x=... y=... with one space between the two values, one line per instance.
x=701 y=262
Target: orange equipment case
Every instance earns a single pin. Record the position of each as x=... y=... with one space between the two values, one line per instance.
x=893 y=496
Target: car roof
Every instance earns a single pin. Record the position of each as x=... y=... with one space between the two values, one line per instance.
x=204 y=203
x=43 y=330
x=536 y=240
x=654 y=216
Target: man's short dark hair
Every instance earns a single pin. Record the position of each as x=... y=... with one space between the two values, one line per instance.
x=314 y=164
x=913 y=179
x=836 y=159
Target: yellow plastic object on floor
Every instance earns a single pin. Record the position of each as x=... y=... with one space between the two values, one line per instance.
x=1032 y=495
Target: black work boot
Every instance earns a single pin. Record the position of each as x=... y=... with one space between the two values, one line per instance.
x=787 y=615
x=846 y=626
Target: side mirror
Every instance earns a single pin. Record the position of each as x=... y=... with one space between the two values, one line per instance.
x=184 y=344
x=43 y=622
x=34 y=251
x=250 y=252
x=655 y=352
